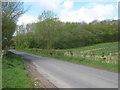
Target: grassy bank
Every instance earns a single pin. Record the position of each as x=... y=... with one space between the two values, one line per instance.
x=78 y=60
x=13 y=72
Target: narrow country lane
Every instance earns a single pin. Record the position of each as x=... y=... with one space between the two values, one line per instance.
x=68 y=75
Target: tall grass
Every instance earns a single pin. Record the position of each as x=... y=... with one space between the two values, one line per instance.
x=14 y=74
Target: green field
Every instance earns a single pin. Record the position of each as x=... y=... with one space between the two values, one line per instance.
x=100 y=48
x=104 y=55
x=14 y=74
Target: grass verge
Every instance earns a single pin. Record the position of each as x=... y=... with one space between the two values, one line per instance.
x=13 y=72
x=96 y=64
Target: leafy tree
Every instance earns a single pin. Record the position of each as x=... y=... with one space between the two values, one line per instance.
x=11 y=11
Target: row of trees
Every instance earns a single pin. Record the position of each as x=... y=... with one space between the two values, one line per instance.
x=50 y=33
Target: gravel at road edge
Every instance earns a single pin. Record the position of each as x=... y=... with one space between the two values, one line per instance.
x=38 y=80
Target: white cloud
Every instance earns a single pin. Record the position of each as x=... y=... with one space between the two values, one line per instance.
x=66 y=12
x=25 y=19
x=66 y=7
x=71 y=0
x=89 y=13
x=115 y=18
x=68 y=4
x=49 y=4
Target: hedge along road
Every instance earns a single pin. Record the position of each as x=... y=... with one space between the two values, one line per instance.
x=68 y=75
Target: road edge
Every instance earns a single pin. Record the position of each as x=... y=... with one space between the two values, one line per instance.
x=38 y=79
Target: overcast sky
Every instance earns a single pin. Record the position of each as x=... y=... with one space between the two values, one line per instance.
x=71 y=10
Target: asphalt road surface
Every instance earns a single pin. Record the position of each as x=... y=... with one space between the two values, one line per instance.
x=68 y=75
